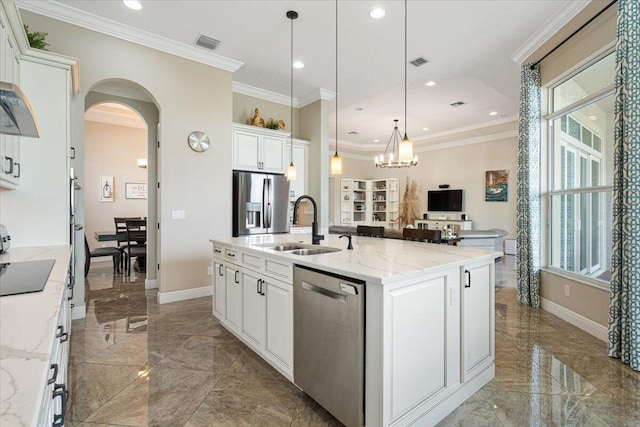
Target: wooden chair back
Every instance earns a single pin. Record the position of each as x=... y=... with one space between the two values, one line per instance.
x=370 y=231
x=422 y=235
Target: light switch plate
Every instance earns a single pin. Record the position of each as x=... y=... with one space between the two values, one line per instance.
x=178 y=214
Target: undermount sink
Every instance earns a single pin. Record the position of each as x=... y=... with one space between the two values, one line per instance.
x=286 y=247
x=313 y=251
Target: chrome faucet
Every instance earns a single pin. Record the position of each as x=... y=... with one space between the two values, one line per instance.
x=315 y=237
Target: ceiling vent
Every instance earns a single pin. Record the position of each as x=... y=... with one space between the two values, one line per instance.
x=207 y=42
x=458 y=104
x=353 y=132
x=419 y=61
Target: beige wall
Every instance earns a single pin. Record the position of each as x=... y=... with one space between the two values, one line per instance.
x=111 y=150
x=190 y=96
x=244 y=106
x=588 y=301
x=461 y=167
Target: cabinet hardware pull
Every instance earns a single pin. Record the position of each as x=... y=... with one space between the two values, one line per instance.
x=73 y=153
x=59 y=390
x=468 y=283
x=220 y=270
x=10 y=171
x=70 y=297
x=260 y=288
x=64 y=337
x=217 y=251
x=231 y=255
x=59 y=331
x=236 y=277
x=17 y=174
x=52 y=380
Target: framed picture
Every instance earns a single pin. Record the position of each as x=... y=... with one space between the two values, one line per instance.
x=106 y=189
x=135 y=190
x=496 y=186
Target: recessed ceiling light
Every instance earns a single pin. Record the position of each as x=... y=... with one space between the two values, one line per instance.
x=593 y=118
x=132 y=4
x=430 y=83
x=493 y=113
x=298 y=64
x=377 y=13
x=425 y=128
x=376 y=140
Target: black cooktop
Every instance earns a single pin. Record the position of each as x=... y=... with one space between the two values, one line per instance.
x=24 y=277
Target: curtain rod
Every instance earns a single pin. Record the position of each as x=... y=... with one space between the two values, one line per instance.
x=574 y=33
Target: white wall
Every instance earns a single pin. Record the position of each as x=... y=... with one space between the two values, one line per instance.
x=462 y=167
x=111 y=150
x=190 y=96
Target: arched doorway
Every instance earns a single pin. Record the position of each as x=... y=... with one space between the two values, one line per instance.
x=123 y=118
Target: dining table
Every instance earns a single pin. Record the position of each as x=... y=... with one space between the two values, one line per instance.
x=112 y=236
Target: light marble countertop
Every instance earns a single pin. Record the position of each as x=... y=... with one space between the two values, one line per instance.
x=375 y=260
x=28 y=325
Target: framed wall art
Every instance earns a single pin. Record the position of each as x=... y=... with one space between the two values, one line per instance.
x=496 y=186
x=135 y=190
x=106 y=189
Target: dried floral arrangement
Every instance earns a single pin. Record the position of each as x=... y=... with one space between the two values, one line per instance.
x=410 y=205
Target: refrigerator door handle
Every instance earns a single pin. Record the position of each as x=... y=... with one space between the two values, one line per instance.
x=267 y=212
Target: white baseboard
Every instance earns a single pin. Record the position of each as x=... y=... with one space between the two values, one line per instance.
x=151 y=283
x=79 y=312
x=577 y=320
x=167 y=297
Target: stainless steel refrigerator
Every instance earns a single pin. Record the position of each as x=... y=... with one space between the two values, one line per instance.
x=260 y=203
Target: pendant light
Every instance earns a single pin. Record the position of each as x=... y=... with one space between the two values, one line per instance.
x=336 y=160
x=404 y=147
x=291 y=171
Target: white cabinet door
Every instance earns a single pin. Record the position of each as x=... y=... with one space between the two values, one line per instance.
x=423 y=341
x=246 y=150
x=219 y=291
x=252 y=308
x=279 y=322
x=478 y=318
x=233 y=297
x=272 y=154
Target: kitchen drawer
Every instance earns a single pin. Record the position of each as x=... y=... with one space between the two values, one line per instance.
x=231 y=254
x=252 y=261
x=279 y=270
x=218 y=251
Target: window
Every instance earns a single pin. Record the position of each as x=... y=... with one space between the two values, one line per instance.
x=581 y=149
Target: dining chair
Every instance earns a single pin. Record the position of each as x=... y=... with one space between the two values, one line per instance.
x=422 y=235
x=136 y=232
x=370 y=231
x=121 y=228
x=111 y=251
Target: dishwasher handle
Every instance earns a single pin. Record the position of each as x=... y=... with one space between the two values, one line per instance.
x=322 y=291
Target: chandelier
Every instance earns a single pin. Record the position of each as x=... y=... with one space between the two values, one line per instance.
x=399 y=152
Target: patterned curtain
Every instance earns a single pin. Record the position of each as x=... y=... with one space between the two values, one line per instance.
x=528 y=189
x=624 y=302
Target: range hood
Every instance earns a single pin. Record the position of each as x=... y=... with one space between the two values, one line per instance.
x=16 y=115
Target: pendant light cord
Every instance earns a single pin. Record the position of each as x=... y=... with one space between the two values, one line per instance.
x=336 y=78
x=291 y=137
x=405 y=68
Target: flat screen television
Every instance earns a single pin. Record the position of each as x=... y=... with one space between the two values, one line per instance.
x=444 y=200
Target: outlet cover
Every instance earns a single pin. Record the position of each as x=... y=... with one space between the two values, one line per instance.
x=209 y=271
x=567 y=290
x=178 y=214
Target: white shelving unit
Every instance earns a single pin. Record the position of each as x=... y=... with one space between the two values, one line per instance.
x=369 y=202
x=443 y=224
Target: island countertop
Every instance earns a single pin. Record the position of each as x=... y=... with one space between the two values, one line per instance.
x=27 y=331
x=375 y=260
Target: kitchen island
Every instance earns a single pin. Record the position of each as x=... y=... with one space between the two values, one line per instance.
x=429 y=334
x=34 y=333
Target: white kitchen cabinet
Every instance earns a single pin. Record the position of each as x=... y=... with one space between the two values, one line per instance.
x=279 y=323
x=300 y=154
x=258 y=149
x=219 y=290
x=233 y=296
x=477 y=318
x=253 y=306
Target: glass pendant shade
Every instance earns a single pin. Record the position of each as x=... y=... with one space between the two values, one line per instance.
x=336 y=164
x=291 y=172
x=405 y=150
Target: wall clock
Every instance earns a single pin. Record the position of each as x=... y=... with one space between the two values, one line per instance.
x=198 y=141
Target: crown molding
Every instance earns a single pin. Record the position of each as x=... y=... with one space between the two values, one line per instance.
x=551 y=27
x=316 y=94
x=263 y=94
x=467 y=141
x=114 y=118
x=454 y=132
x=62 y=12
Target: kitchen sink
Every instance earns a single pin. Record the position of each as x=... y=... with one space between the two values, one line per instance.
x=313 y=251
x=286 y=247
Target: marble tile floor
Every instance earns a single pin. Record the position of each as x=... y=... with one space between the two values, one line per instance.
x=137 y=363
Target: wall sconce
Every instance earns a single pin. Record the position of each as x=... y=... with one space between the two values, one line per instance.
x=142 y=163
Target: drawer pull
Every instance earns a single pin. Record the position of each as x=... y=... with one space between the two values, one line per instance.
x=52 y=380
x=468 y=283
x=59 y=390
x=218 y=251
x=64 y=337
x=231 y=255
x=59 y=331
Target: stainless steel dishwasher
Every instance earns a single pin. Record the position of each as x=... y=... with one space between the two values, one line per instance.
x=328 y=350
